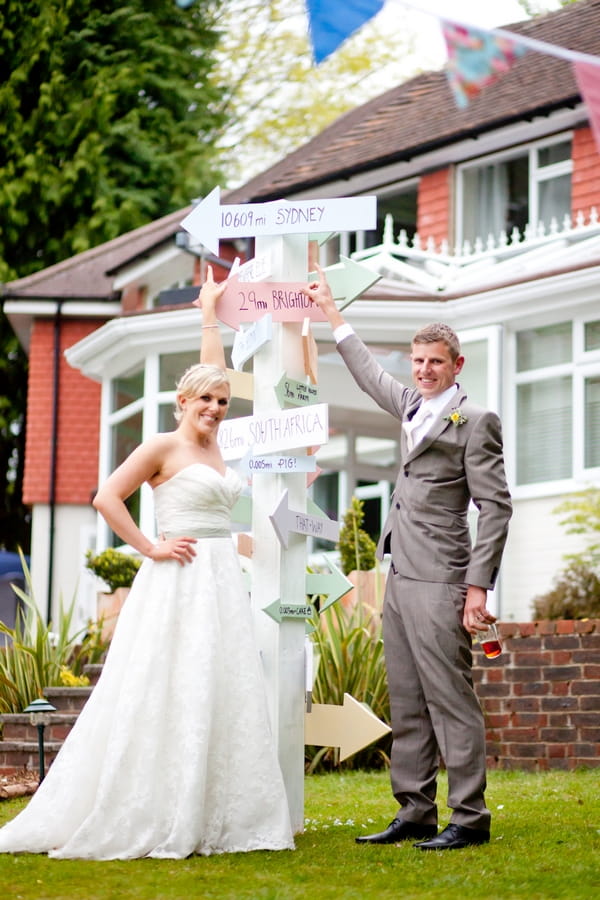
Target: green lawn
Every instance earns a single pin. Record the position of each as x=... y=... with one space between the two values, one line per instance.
x=545 y=845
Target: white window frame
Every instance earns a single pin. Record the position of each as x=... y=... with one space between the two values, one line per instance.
x=537 y=174
x=583 y=364
x=493 y=334
x=148 y=406
x=345 y=237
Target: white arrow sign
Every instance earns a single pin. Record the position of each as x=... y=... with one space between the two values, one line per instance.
x=256 y=269
x=209 y=221
x=246 y=343
x=284 y=429
x=277 y=463
x=285 y=520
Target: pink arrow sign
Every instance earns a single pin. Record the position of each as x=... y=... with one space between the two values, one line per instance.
x=249 y=301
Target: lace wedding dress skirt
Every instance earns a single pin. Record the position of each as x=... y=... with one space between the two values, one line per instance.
x=173 y=753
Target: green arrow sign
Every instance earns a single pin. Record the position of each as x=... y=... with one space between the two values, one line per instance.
x=298 y=393
x=347 y=280
x=242 y=510
x=334 y=585
x=322 y=237
x=280 y=611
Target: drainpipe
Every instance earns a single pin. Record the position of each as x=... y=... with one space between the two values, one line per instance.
x=53 y=454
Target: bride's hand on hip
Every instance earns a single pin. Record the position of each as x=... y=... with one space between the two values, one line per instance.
x=180 y=549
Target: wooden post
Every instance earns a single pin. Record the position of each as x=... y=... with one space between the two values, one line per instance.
x=278 y=573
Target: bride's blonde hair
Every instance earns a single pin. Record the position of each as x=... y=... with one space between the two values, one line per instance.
x=195 y=381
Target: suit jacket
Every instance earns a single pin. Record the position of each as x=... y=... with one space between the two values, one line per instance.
x=426 y=530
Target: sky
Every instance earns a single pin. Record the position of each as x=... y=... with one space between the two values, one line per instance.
x=480 y=12
x=485 y=13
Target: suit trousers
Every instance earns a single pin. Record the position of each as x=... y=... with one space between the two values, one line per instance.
x=434 y=708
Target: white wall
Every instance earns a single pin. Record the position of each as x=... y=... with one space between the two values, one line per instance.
x=75 y=528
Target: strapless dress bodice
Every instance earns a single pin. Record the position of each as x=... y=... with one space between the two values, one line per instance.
x=197 y=501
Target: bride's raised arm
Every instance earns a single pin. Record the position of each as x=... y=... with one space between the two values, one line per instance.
x=211 y=347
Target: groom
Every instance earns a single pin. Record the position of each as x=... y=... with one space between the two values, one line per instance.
x=436 y=590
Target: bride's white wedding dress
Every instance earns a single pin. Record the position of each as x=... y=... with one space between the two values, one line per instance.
x=173 y=753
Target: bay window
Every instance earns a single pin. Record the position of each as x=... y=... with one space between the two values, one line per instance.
x=557 y=428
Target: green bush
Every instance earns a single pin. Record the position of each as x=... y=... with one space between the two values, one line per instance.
x=116 y=569
x=575 y=594
x=38 y=655
x=349 y=646
x=357 y=549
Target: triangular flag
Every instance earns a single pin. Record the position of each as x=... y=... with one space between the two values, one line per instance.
x=331 y=23
x=476 y=58
x=588 y=79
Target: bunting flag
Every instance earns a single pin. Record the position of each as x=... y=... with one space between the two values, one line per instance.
x=476 y=58
x=330 y=23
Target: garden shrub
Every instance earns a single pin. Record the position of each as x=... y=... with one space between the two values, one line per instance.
x=357 y=549
x=115 y=568
x=575 y=594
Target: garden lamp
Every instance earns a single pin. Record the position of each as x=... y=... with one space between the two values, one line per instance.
x=39 y=715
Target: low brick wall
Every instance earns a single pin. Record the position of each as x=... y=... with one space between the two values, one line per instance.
x=541 y=696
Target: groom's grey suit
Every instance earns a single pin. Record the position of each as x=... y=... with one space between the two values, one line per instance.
x=427 y=649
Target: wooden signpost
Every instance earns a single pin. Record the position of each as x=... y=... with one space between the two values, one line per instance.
x=269 y=296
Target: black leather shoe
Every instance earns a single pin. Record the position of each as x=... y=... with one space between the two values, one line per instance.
x=453 y=837
x=399 y=830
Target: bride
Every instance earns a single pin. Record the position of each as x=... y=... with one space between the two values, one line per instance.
x=172 y=754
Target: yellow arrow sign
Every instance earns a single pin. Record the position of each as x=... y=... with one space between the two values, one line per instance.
x=349 y=727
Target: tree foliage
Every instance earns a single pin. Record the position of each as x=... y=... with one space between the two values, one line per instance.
x=101 y=107
x=14 y=519
x=108 y=120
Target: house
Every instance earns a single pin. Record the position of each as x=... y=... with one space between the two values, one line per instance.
x=487 y=219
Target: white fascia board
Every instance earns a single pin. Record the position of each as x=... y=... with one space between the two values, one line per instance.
x=22 y=313
x=123 y=342
x=79 y=309
x=395 y=321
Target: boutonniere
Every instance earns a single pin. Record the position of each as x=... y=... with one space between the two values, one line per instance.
x=456 y=417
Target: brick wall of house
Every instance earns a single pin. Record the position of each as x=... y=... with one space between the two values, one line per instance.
x=541 y=696
x=78 y=420
x=434 y=207
x=585 y=180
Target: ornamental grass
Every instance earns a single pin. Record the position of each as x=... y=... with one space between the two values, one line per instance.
x=37 y=655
